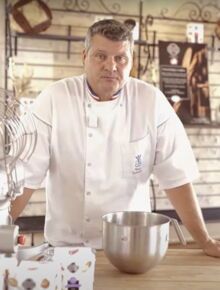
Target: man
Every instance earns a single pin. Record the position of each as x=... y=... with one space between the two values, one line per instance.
x=100 y=136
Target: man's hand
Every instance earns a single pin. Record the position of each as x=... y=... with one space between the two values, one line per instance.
x=212 y=248
x=185 y=202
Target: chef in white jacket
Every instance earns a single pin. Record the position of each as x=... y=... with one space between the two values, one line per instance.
x=100 y=137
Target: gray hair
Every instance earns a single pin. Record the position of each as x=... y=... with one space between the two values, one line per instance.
x=111 y=29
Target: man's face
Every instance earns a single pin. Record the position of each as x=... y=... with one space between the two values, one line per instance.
x=107 y=65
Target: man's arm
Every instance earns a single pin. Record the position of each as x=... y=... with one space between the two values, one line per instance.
x=187 y=207
x=20 y=202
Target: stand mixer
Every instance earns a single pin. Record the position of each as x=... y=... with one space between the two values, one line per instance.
x=18 y=136
x=41 y=266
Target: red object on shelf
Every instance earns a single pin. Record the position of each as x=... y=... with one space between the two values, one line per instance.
x=21 y=240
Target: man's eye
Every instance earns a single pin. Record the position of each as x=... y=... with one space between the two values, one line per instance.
x=100 y=56
x=121 y=59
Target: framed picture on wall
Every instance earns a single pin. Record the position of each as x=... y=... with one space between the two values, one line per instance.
x=184 y=79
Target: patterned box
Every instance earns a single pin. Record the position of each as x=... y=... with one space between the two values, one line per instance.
x=36 y=275
x=77 y=267
x=8 y=267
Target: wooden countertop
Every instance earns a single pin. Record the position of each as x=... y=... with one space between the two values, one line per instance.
x=181 y=269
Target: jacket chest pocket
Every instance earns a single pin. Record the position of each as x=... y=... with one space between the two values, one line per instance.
x=136 y=158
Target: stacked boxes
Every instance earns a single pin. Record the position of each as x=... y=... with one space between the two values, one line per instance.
x=77 y=267
x=62 y=268
x=8 y=267
x=35 y=275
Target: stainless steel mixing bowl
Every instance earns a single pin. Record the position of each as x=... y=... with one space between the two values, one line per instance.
x=134 y=242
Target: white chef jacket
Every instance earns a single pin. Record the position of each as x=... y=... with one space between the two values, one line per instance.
x=98 y=156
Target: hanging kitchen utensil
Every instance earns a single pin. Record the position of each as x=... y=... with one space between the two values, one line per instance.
x=30 y=16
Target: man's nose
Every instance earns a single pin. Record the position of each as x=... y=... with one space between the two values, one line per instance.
x=110 y=64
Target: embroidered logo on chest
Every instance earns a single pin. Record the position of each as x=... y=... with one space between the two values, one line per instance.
x=138 y=164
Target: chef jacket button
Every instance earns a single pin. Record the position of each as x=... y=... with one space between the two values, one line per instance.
x=89 y=105
x=90 y=134
x=88 y=193
x=88 y=220
x=89 y=164
x=121 y=105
